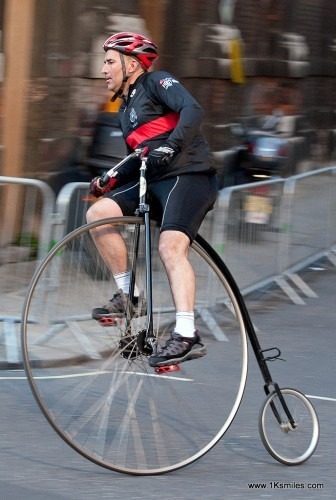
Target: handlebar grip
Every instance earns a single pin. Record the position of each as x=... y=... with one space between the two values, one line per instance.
x=104 y=179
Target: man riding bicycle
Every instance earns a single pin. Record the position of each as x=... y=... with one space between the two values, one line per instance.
x=158 y=113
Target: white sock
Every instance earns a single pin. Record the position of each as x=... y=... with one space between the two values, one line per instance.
x=123 y=281
x=185 y=323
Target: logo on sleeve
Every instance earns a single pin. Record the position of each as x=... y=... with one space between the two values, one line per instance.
x=168 y=82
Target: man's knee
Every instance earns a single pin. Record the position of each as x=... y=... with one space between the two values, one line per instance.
x=103 y=209
x=173 y=245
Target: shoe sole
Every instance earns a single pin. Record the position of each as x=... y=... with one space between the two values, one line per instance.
x=196 y=352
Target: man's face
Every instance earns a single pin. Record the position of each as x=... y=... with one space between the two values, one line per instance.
x=112 y=70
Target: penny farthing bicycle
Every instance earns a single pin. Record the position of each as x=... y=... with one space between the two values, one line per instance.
x=94 y=383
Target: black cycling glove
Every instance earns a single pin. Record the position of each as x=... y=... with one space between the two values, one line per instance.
x=161 y=157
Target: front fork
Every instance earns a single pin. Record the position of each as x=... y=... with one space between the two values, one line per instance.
x=150 y=340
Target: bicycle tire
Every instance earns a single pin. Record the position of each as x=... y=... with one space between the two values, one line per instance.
x=98 y=392
x=288 y=445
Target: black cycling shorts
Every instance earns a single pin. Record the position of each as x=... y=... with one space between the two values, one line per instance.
x=179 y=203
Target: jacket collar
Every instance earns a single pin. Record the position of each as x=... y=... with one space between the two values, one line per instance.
x=134 y=85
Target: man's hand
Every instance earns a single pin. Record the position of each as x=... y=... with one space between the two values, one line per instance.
x=97 y=190
x=160 y=157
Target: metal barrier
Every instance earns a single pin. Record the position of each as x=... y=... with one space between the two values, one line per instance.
x=250 y=250
x=300 y=228
x=71 y=207
x=312 y=217
x=26 y=230
x=311 y=223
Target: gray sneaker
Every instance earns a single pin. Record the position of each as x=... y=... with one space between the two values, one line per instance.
x=118 y=305
x=178 y=349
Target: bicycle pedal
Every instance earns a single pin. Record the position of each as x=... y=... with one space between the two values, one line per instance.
x=108 y=321
x=167 y=369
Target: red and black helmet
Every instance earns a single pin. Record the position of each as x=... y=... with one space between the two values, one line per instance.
x=133 y=44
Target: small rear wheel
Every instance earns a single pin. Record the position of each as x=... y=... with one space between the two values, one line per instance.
x=290 y=445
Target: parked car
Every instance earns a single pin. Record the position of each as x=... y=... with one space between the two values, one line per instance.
x=226 y=143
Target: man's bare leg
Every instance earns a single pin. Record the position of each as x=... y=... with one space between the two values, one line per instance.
x=112 y=249
x=184 y=343
x=173 y=249
x=109 y=243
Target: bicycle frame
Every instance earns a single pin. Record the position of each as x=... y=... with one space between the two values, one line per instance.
x=257 y=350
x=143 y=210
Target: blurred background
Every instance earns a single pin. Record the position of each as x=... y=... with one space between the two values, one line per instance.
x=242 y=59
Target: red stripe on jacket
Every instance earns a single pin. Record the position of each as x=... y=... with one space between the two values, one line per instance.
x=153 y=129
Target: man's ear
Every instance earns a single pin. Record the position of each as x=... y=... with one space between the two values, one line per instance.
x=134 y=64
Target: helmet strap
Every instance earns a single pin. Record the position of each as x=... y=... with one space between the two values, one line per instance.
x=119 y=92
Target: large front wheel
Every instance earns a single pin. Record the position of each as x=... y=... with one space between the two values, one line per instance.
x=94 y=384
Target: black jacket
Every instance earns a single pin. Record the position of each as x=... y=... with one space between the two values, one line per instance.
x=160 y=111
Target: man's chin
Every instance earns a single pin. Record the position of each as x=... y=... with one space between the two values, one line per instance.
x=110 y=87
